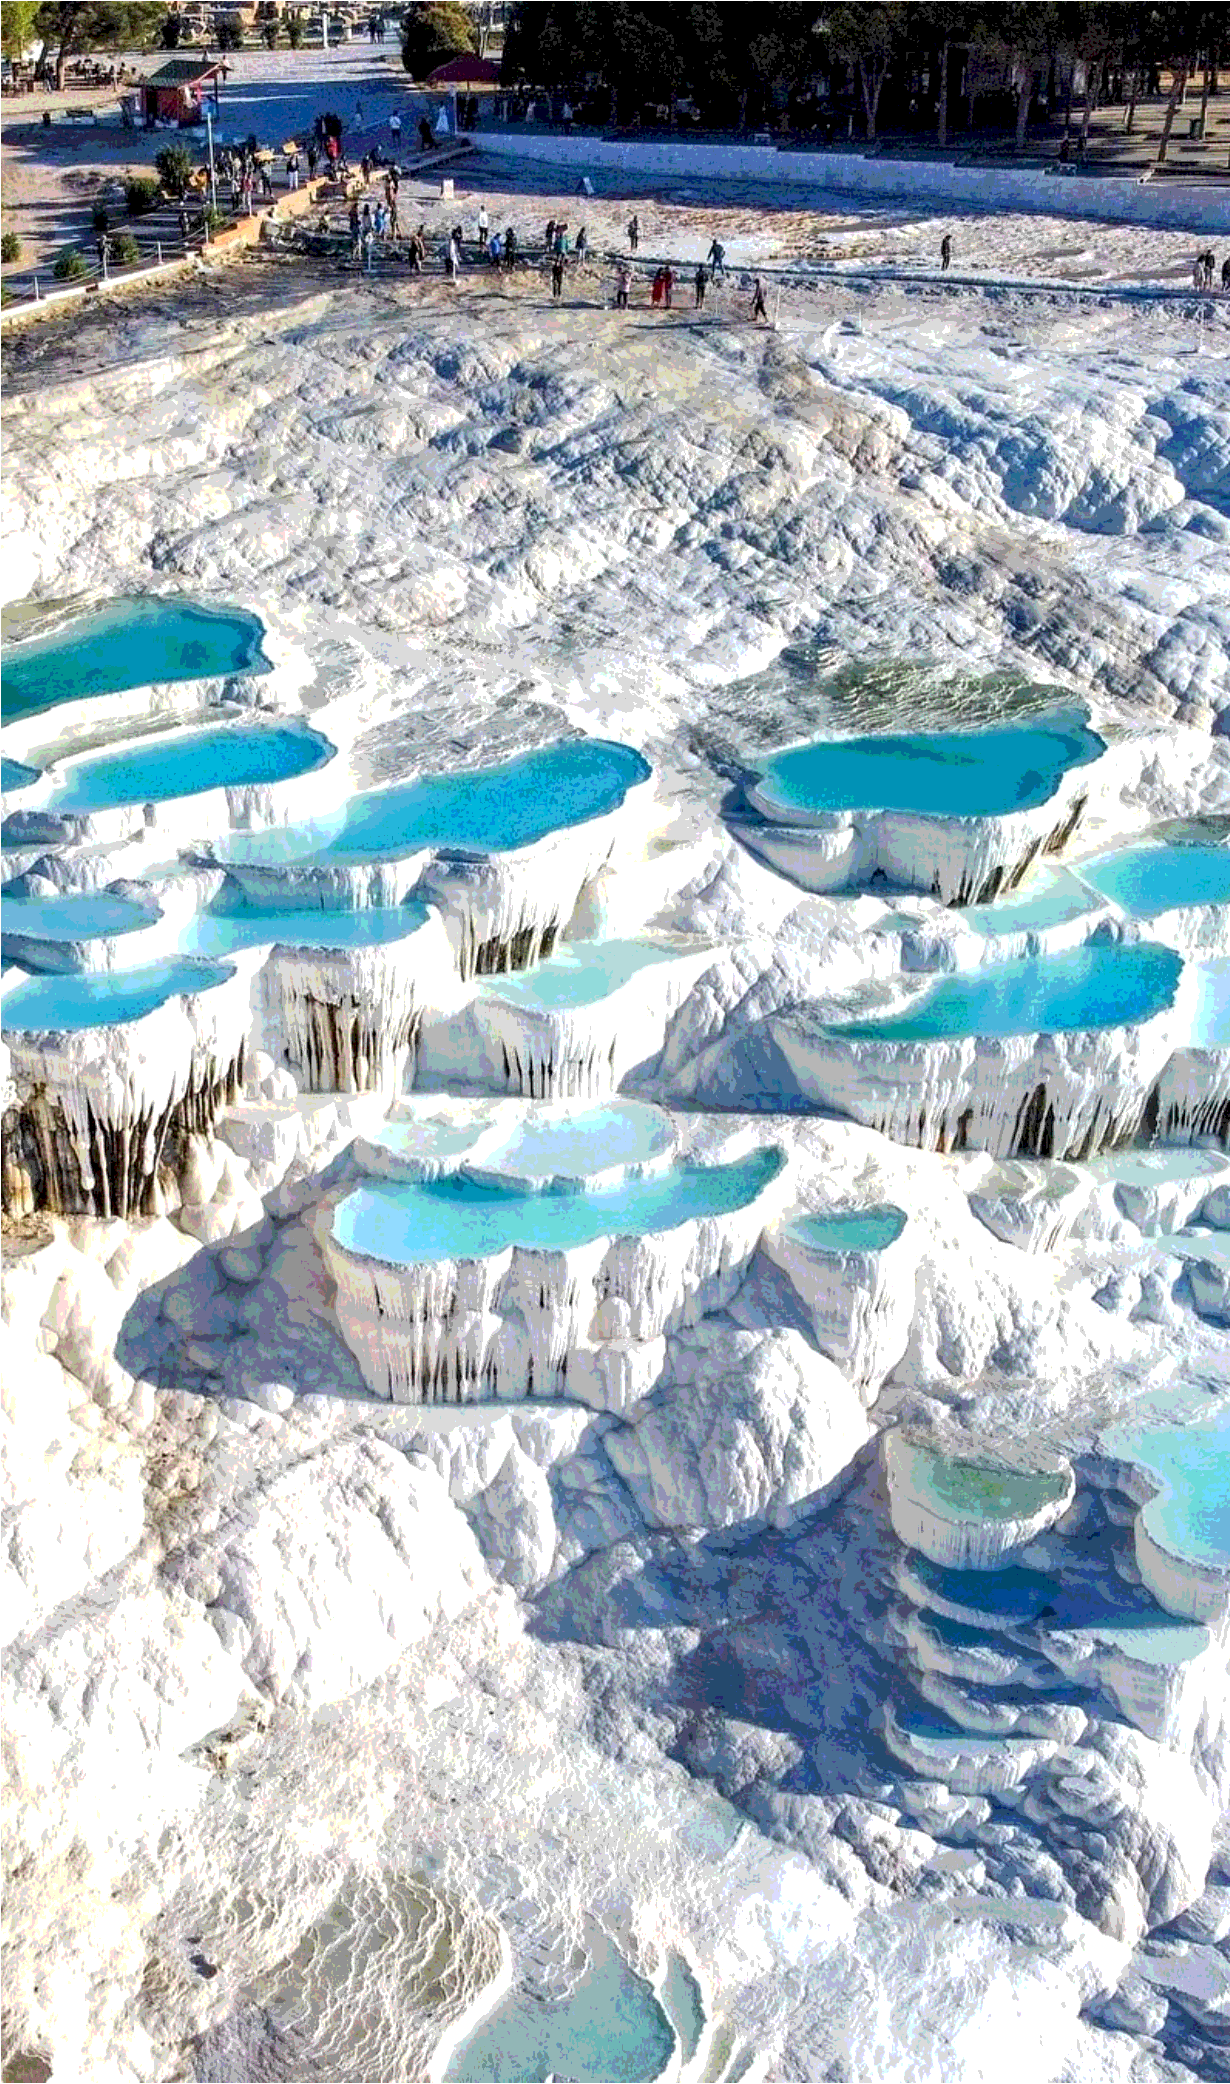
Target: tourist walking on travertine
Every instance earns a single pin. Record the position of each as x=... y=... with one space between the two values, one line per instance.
x=698 y=284
x=1225 y=275
x=292 y=171
x=394 y=227
x=623 y=283
x=668 y=284
x=945 y=253
x=582 y=245
x=557 y=277
x=483 y=225
x=634 y=233
x=510 y=248
x=453 y=257
x=758 y=303
x=313 y=160
x=716 y=257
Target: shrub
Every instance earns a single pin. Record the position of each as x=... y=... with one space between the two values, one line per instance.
x=228 y=33
x=70 y=266
x=295 y=31
x=10 y=247
x=269 y=35
x=140 y=195
x=170 y=32
x=174 y=164
x=124 y=250
x=100 y=217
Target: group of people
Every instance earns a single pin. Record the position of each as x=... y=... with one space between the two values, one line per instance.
x=1204 y=267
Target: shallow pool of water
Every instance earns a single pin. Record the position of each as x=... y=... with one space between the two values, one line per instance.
x=411 y=1222
x=1000 y=1597
x=156 y=770
x=1107 y=985
x=1208 y=1025
x=487 y=811
x=580 y=1143
x=1148 y=880
x=102 y=998
x=14 y=774
x=137 y=642
x=1053 y=898
x=610 y=2029
x=960 y=774
x=855 y=1230
x=229 y=925
x=1191 y=1515
x=980 y=1491
x=85 y=915
x=580 y=973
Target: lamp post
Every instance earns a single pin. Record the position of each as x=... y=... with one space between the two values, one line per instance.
x=213 y=179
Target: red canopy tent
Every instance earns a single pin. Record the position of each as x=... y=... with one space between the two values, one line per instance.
x=467 y=71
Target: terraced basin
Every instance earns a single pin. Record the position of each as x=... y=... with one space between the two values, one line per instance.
x=133 y=642
x=944 y=774
x=186 y=763
x=103 y=998
x=1107 y=985
x=459 y=1217
x=1145 y=881
x=489 y=810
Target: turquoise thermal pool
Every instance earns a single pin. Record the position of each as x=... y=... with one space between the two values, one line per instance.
x=156 y=770
x=978 y=1491
x=626 y=1136
x=859 y=1230
x=556 y=1143
x=610 y=2029
x=85 y=915
x=490 y=810
x=139 y=642
x=228 y=925
x=14 y=774
x=414 y=1222
x=1098 y=986
x=102 y=998
x=1054 y=898
x=953 y=774
x=980 y=1598
x=580 y=973
x=1208 y=1025
x=1190 y=1516
x=1146 y=881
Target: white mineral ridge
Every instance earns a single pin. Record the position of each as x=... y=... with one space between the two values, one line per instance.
x=743 y=1426
x=318 y=1688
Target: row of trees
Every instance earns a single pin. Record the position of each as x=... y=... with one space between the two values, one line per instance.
x=70 y=28
x=737 y=64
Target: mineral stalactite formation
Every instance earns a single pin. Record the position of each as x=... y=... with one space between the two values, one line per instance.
x=78 y=1161
x=615 y=1296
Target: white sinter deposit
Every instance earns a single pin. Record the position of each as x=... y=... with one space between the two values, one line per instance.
x=774 y=1638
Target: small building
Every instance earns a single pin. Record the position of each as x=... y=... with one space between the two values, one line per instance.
x=176 y=92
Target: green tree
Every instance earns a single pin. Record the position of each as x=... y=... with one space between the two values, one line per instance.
x=18 y=27
x=868 y=38
x=10 y=247
x=295 y=29
x=70 y=27
x=169 y=34
x=174 y=164
x=432 y=32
